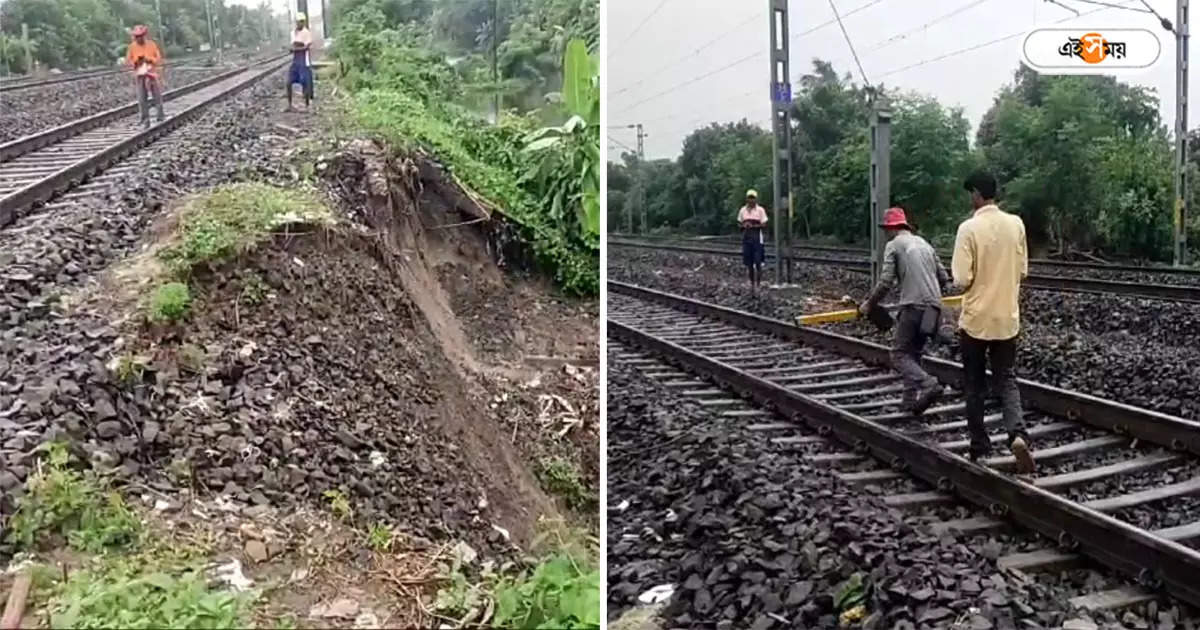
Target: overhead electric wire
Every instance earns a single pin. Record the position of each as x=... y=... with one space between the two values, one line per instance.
x=895 y=38
x=876 y=46
x=691 y=53
x=642 y=24
x=988 y=43
x=743 y=59
x=849 y=43
x=618 y=142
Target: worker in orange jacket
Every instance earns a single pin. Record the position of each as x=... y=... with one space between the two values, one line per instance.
x=147 y=62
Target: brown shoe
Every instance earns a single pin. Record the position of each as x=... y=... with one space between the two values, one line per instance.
x=1020 y=451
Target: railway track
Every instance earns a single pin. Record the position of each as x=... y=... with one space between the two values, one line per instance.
x=1116 y=483
x=40 y=167
x=1176 y=292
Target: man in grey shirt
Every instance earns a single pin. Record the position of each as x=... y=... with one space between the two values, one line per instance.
x=910 y=259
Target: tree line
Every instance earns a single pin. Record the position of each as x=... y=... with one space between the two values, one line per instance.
x=74 y=34
x=1086 y=161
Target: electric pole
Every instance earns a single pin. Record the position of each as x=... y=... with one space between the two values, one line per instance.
x=28 y=48
x=641 y=151
x=781 y=106
x=881 y=170
x=162 y=34
x=496 y=60
x=1181 y=139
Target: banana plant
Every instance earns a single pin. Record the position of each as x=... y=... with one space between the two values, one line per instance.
x=569 y=154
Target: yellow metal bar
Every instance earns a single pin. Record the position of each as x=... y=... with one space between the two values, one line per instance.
x=842 y=316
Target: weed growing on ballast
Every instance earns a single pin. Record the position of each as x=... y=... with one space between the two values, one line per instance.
x=559 y=477
x=129 y=369
x=254 y=289
x=75 y=505
x=339 y=504
x=170 y=302
x=379 y=537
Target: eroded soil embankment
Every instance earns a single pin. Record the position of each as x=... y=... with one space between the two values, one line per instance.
x=330 y=360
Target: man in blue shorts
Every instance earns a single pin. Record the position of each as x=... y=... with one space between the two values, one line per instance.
x=752 y=218
x=301 y=69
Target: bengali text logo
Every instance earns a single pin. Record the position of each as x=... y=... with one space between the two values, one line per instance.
x=1090 y=51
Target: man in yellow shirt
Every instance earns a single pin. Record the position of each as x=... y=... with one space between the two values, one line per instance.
x=989 y=262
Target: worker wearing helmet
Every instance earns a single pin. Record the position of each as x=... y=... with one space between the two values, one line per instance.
x=301 y=70
x=752 y=218
x=911 y=260
x=147 y=61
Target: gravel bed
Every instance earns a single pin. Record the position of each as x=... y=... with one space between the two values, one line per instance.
x=46 y=358
x=37 y=109
x=1140 y=352
x=752 y=537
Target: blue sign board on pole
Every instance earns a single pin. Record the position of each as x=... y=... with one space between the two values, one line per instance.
x=781 y=93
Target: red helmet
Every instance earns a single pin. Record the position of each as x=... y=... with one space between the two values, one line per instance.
x=140 y=30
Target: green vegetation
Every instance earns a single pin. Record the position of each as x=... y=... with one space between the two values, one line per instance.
x=169 y=303
x=77 y=506
x=254 y=289
x=559 y=477
x=558 y=593
x=69 y=34
x=123 y=593
x=339 y=504
x=561 y=591
x=544 y=179
x=227 y=221
x=1085 y=161
x=379 y=537
x=129 y=369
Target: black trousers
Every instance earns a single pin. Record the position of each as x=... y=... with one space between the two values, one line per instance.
x=977 y=354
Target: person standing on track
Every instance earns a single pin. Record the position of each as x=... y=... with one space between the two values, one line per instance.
x=910 y=259
x=301 y=68
x=990 y=260
x=752 y=218
x=147 y=61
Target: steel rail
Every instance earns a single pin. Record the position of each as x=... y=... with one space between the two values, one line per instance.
x=64 y=178
x=858 y=251
x=1152 y=560
x=1178 y=293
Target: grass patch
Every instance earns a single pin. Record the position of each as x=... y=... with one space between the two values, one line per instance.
x=560 y=478
x=129 y=369
x=77 y=506
x=229 y=220
x=169 y=303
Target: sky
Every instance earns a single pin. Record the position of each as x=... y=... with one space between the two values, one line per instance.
x=677 y=65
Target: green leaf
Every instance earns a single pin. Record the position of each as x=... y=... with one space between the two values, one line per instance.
x=577 y=78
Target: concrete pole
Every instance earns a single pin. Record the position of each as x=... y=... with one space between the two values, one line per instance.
x=881 y=165
x=781 y=117
x=1181 y=132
